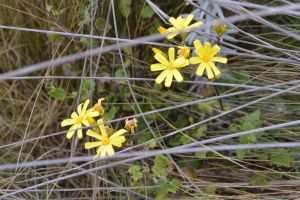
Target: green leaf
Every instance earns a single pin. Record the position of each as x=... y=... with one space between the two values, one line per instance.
x=254 y=116
x=147 y=12
x=233 y=127
x=124 y=7
x=247 y=125
x=281 y=157
x=277 y=176
x=161 y=165
x=240 y=154
x=135 y=171
x=57 y=93
x=258 y=179
x=100 y=24
x=262 y=155
x=211 y=189
x=185 y=139
x=152 y=144
x=246 y=139
x=201 y=154
x=119 y=73
x=161 y=161
x=85 y=88
x=73 y=94
x=167 y=187
x=55 y=38
x=111 y=113
x=175 y=141
x=199 y=132
x=88 y=41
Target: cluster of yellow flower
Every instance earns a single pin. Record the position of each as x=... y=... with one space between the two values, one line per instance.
x=171 y=65
x=105 y=135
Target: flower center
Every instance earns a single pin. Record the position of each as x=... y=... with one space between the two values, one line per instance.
x=206 y=57
x=105 y=141
x=79 y=119
x=170 y=66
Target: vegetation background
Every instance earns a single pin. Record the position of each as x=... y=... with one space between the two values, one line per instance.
x=259 y=90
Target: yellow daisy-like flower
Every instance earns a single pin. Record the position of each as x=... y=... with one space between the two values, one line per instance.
x=105 y=143
x=169 y=66
x=181 y=24
x=79 y=119
x=206 y=57
x=183 y=51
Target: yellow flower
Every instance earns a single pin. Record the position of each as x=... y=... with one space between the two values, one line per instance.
x=181 y=24
x=105 y=143
x=169 y=66
x=183 y=51
x=162 y=30
x=78 y=119
x=206 y=57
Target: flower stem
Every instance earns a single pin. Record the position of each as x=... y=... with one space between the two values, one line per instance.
x=220 y=100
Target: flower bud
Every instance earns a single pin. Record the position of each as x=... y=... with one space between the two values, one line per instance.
x=130 y=125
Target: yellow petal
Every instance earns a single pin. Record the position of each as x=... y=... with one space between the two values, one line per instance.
x=161 y=77
x=156 y=50
x=179 y=22
x=215 y=49
x=118 y=141
x=74 y=115
x=171 y=53
x=103 y=152
x=177 y=75
x=219 y=59
x=157 y=67
x=188 y=20
x=85 y=105
x=100 y=149
x=118 y=133
x=79 y=109
x=91 y=113
x=201 y=69
x=173 y=32
x=183 y=62
x=72 y=130
x=89 y=145
x=110 y=150
x=214 y=68
x=209 y=72
x=160 y=58
x=195 y=60
x=207 y=47
x=178 y=62
x=68 y=122
x=169 y=78
x=102 y=128
x=79 y=133
x=162 y=30
x=198 y=44
x=94 y=134
x=173 y=21
x=85 y=122
x=195 y=25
